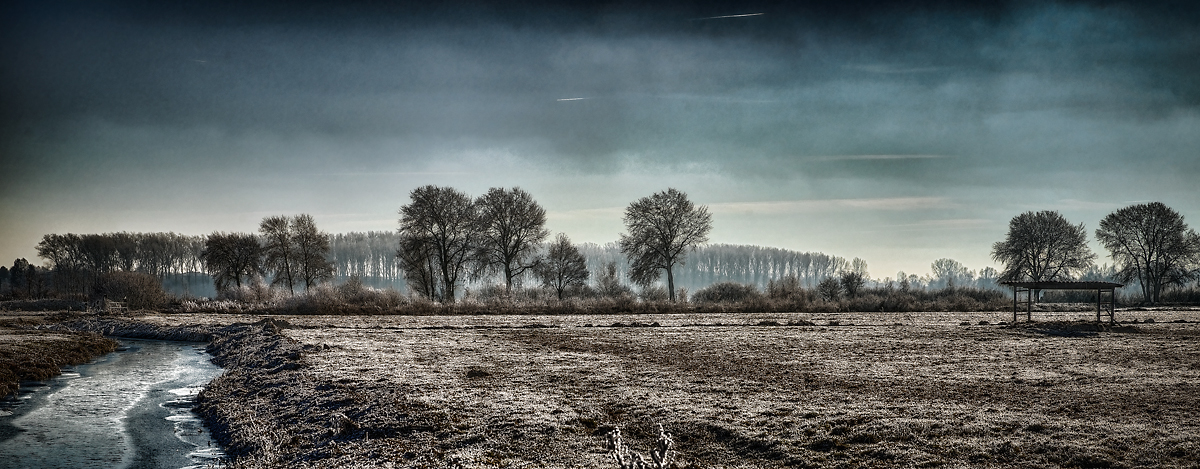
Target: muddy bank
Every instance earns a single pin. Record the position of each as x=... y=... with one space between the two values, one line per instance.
x=38 y=355
x=133 y=329
x=269 y=409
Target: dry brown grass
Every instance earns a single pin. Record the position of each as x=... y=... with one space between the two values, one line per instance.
x=492 y=391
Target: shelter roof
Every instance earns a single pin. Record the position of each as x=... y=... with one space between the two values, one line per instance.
x=1065 y=285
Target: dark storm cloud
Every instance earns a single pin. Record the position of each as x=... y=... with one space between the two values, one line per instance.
x=775 y=94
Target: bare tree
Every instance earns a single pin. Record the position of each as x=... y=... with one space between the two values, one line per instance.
x=438 y=229
x=830 y=289
x=1150 y=242
x=511 y=229
x=851 y=282
x=311 y=252
x=564 y=266
x=231 y=257
x=662 y=229
x=279 y=250
x=950 y=273
x=1042 y=246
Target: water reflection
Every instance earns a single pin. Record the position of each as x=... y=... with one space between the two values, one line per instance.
x=128 y=409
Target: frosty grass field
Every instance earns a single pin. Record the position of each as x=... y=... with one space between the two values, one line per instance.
x=877 y=389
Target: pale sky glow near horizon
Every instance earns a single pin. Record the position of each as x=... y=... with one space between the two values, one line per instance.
x=896 y=132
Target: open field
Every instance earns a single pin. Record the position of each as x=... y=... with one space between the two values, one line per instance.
x=521 y=391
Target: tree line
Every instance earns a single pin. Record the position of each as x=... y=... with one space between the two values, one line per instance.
x=76 y=261
x=448 y=240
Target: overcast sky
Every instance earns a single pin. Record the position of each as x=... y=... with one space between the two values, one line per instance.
x=897 y=132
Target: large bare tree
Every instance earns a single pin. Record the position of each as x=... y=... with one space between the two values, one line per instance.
x=662 y=229
x=312 y=251
x=564 y=266
x=1042 y=246
x=279 y=250
x=437 y=231
x=1150 y=242
x=511 y=229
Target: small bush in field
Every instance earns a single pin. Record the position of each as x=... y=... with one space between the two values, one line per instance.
x=256 y=291
x=727 y=292
x=627 y=459
x=350 y=297
x=787 y=289
x=654 y=293
x=137 y=290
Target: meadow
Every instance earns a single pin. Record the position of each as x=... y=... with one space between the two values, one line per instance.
x=733 y=390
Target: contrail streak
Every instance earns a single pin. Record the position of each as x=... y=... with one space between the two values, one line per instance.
x=728 y=16
x=570 y=99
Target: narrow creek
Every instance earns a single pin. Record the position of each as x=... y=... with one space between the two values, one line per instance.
x=128 y=409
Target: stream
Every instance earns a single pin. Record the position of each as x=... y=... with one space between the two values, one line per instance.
x=128 y=409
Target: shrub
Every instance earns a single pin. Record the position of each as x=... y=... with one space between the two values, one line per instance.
x=787 y=289
x=257 y=291
x=654 y=293
x=351 y=297
x=137 y=290
x=830 y=289
x=727 y=292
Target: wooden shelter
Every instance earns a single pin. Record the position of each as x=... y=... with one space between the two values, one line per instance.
x=1100 y=287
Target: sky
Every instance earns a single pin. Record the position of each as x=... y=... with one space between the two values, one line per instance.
x=896 y=132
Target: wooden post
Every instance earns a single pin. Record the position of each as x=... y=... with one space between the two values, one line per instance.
x=1014 y=304
x=1029 y=310
x=1112 y=311
x=1097 y=305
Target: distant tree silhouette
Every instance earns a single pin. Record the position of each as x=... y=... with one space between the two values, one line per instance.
x=830 y=289
x=311 y=255
x=851 y=282
x=35 y=285
x=859 y=267
x=437 y=230
x=662 y=229
x=17 y=274
x=511 y=229
x=1151 y=242
x=231 y=257
x=987 y=277
x=98 y=253
x=950 y=273
x=564 y=266
x=608 y=283
x=1042 y=246
x=279 y=250
x=125 y=247
x=369 y=255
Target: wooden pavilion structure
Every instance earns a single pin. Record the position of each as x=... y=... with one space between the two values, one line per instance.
x=1100 y=287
